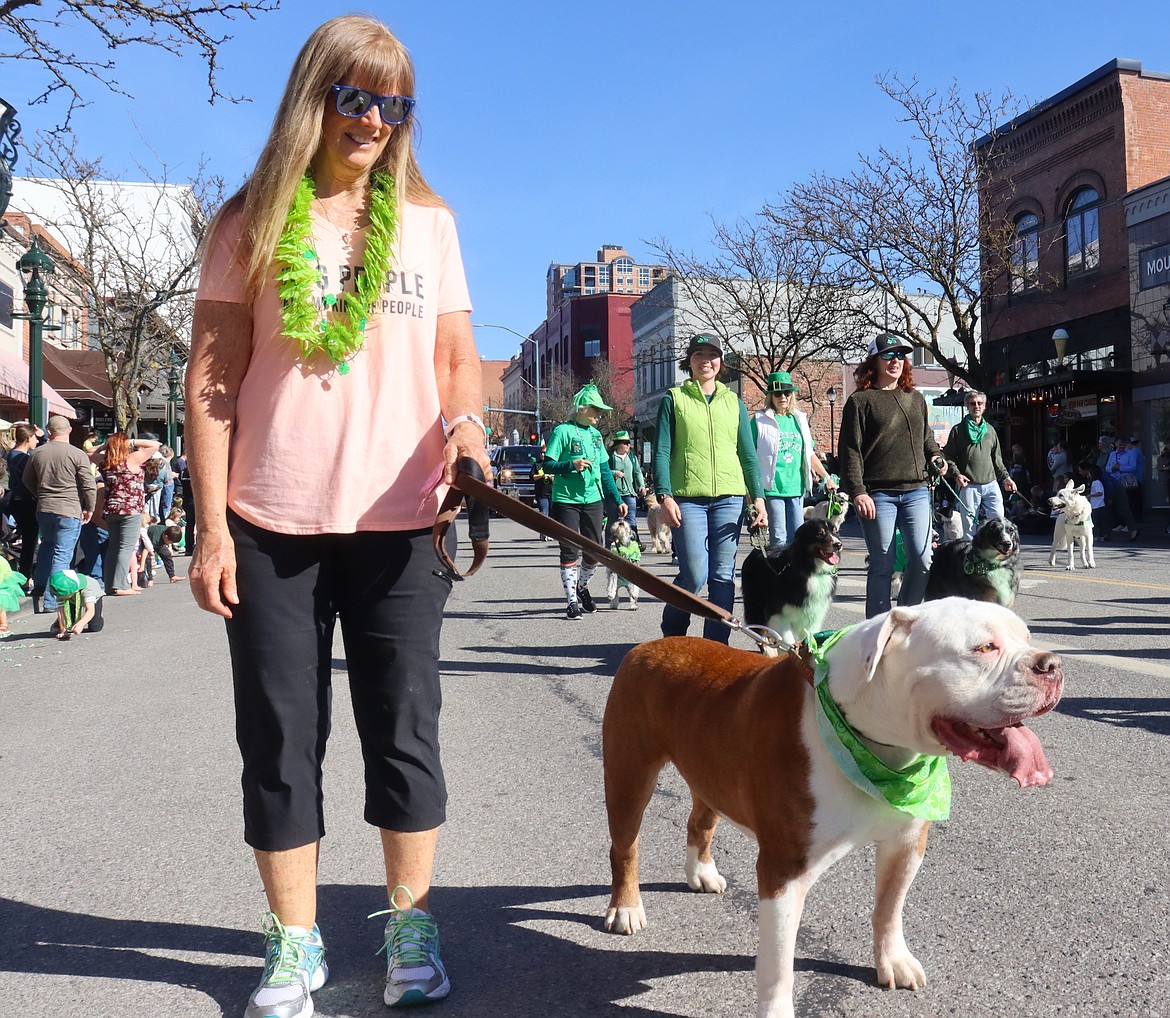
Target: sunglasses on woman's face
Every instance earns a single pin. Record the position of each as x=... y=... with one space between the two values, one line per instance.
x=356 y=102
x=893 y=355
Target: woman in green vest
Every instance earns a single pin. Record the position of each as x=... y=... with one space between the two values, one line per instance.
x=704 y=464
x=581 y=478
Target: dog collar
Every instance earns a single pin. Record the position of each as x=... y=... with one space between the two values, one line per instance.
x=975 y=566
x=921 y=789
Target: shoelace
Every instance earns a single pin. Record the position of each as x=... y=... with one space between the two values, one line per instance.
x=410 y=933
x=285 y=951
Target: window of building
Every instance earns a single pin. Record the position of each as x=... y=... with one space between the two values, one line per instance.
x=589 y=289
x=1026 y=253
x=624 y=265
x=603 y=275
x=644 y=275
x=592 y=348
x=6 y=305
x=1082 y=233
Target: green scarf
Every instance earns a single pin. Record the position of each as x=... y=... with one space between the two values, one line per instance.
x=976 y=431
x=922 y=788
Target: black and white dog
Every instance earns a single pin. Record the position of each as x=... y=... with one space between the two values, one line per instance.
x=791 y=589
x=984 y=568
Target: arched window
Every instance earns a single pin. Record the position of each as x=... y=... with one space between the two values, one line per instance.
x=1025 y=252
x=1082 y=232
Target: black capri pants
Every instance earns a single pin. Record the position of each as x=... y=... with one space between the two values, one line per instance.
x=586 y=520
x=389 y=592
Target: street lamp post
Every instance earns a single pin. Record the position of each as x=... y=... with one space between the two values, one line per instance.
x=536 y=353
x=173 y=401
x=36 y=296
x=831 y=395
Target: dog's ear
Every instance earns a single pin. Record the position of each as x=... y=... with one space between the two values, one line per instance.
x=1079 y=491
x=894 y=629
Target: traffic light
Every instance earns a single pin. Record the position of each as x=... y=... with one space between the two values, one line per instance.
x=533 y=438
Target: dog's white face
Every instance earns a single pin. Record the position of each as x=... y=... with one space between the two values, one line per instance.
x=621 y=533
x=1072 y=503
x=952 y=675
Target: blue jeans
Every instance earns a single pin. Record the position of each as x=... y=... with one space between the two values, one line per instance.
x=93 y=546
x=971 y=497
x=706 y=544
x=631 y=511
x=784 y=516
x=910 y=512
x=58 y=541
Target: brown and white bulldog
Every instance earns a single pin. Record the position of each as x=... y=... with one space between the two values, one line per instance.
x=951 y=675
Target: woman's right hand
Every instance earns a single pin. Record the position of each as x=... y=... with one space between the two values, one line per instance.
x=672 y=512
x=865 y=507
x=213 y=572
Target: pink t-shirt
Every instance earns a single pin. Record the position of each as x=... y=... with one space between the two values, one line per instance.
x=317 y=452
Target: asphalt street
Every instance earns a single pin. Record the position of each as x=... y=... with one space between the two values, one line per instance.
x=125 y=888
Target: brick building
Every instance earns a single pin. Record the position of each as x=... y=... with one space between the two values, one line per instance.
x=1057 y=323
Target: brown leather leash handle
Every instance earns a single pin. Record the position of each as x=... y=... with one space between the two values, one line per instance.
x=484 y=494
x=478 y=515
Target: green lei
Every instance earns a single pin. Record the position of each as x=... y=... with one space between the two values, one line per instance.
x=339 y=335
x=922 y=788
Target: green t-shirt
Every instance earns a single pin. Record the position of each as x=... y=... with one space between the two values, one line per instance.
x=789 y=479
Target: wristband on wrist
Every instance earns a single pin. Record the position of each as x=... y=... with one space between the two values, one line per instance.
x=466 y=419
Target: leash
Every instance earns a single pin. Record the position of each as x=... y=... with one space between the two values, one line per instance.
x=470 y=483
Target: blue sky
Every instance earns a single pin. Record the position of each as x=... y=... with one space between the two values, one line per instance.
x=551 y=134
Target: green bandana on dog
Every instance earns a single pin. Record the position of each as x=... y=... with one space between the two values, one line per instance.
x=922 y=788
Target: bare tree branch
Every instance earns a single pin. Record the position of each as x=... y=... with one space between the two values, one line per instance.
x=909 y=222
x=28 y=33
x=135 y=247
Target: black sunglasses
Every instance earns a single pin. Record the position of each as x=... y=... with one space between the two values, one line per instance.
x=356 y=102
x=893 y=355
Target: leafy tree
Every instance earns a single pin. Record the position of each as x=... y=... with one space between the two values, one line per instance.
x=47 y=37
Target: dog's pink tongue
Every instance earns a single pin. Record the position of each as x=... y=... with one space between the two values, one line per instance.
x=1023 y=757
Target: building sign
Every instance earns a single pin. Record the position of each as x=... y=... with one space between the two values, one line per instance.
x=1080 y=406
x=1154 y=266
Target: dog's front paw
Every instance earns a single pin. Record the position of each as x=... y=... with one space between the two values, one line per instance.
x=627 y=921
x=899 y=969
x=704 y=877
x=1070 y=569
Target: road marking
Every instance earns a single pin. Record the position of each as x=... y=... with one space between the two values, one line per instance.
x=1096 y=579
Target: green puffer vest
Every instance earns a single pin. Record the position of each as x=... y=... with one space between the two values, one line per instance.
x=704 y=462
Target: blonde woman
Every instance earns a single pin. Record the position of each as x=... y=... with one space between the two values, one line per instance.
x=333 y=301
x=788 y=464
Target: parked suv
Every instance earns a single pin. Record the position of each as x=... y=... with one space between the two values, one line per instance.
x=513 y=466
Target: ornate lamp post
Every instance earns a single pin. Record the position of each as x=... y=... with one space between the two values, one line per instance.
x=173 y=400
x=31 y=264
x=831 y=396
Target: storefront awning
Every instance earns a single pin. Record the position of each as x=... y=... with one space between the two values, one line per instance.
x=14 y=385
x=78 y=375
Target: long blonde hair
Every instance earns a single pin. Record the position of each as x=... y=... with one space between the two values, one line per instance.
x=352 y=46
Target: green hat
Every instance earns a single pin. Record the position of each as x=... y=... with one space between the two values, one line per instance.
x=621 y=436
x=588 y=395
x=781 y=381
x=66 y=583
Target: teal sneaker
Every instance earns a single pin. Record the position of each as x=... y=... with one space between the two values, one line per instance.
x=294 y=966
x=414 y=971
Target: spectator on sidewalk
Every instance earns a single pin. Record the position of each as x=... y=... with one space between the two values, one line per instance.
x=976 y=463
x=1057 y=462
x=121 y=460
x=1122 y=485
x=22 y=507
x=59 y=477
x=79 y=604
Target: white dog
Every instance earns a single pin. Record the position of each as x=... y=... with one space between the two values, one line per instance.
x=761 y=746
x=1074 y=525
x=625 y=544
x=839 y=502
x=657 y=527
